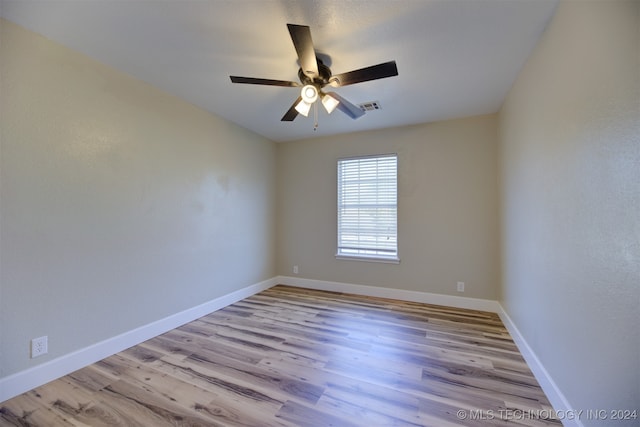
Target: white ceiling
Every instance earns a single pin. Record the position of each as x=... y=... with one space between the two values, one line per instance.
x=455 y=58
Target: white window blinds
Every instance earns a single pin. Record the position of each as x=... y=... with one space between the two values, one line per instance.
x=367 y=207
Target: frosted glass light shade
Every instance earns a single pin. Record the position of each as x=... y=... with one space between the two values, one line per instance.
x=309 y=94
x=330 y=103
x=303 y=108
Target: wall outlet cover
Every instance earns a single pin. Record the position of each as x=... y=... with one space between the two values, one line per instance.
x=39 y=346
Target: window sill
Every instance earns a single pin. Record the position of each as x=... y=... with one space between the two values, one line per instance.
x=368 y=259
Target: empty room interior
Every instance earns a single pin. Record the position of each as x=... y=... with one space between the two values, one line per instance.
x=314 y=213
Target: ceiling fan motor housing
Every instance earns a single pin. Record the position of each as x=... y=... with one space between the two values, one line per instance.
x=321 y=80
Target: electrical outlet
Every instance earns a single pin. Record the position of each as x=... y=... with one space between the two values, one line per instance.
x=460 y=286
x=39 y=346
x=295 y=269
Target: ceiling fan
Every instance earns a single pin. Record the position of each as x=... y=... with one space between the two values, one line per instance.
x=314 y=75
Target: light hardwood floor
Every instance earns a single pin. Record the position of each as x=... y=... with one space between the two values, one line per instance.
x=298 y=357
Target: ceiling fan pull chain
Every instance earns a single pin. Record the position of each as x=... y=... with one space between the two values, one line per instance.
x=315 y=115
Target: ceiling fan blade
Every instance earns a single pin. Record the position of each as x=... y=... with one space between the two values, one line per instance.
x=301 y=37
x=268 y=82
x=292 y=113
x=346 y=107
x=380 y=71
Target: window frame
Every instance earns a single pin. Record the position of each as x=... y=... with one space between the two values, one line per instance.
x=391 y=259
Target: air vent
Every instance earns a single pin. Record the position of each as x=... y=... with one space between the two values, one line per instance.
x=370 y=106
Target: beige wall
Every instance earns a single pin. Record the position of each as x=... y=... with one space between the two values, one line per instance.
x=570 y=145
x=120 y=205
x=447 y=202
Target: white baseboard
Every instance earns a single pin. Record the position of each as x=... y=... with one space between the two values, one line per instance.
x=23 y=381
x=555 y=396
x=401 y=294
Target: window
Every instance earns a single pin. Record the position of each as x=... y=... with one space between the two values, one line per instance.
x=368 y=208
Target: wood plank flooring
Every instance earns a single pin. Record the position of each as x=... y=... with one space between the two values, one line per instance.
x=299 y=357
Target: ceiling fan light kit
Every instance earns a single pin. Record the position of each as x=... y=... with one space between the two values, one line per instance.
x=314 y=75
